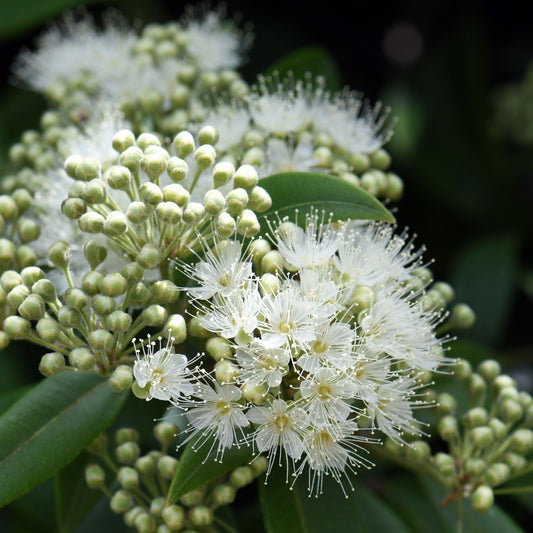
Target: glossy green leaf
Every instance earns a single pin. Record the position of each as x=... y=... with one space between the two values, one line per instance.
x=194 y=470
x=7 y=399
x=48 y=427
x=303 y=190
x=293 y=511
x=310 y=59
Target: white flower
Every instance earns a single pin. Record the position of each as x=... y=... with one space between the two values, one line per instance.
x=287 y=156
x=218 y=413
x=165 y=372
x=262 y=364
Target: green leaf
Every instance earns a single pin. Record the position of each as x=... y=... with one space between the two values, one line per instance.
x=303 y=190
x=293 y=511
x=46 y=429
x=313 y=59
x=7 y=399
x=485 y=277
x=194 y=470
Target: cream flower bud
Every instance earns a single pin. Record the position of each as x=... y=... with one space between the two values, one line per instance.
x=122 y=140
x=482 y=499
x=462 y=316
x=323 y=156
x=102 y=305
x=370 y=183
x=82 y=358
x=89 y=284
x=76 y=299
x=193 y=212
x=223 y=173
x=208 y=135
x=71 y=164
x=68 y=317
x=51 y=363
x=255 y=156
x=144 y=140
x=140 y=295
x=224 y=494
x=118 y=177
x=138 y=212
x=94 y=252
x=246 y=177
x=362 y=299
x=28 y=230
x=168 y=212
x=241 y=476
x=77 y=189
x=131 y=158
x=184 y=144
x=148 y=257
x=94 y=476
x=176 y=193
x=118 y=321
x=237 y=200
x=226 y=371
x=380 y=159
x=113 y=284
x=360 y=163
x=10 y=279
x=167 y=466
x=73 y=208
x=205 y=156
x=165 y=433
x=59 y=254
x=88 y=168
x=394 y=186
x=269 y=284
x=150 y=193
x=154 y=315
x=247 y=223
x=91 y=222
x=254 y=393
x=176 y=328
x=101 y=339
x=95 y=192
x=165 y=292
x=177 y=169
x=174 y=517
x=218 y=348
x=214 y=202
x=272 y=262
x=503 y=381
x=259 y=200
x=22 y=199
x=154 y=165
x=201 y=516
x=17 y=295
x=17 y=327
x=225 y=225
x=121 y=501
x=48 y=329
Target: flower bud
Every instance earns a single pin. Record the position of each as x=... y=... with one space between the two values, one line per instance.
x=133 y=272
x=121 y=379
x=99 y=445
x=131 y=515
x=497 y=473
x=511 y=411
x=169 y=212
x=131 y=158
x=32 y=308
x=90 y=282
x=154 y=315
x=269 y=284
x=122 y=140
x=226 y=371
x=95 y=192
x=113 y=285
x=522 y=441
x=154 y=164
x=144 y=140
x=127 y=453
x=489 y=370
x=94 y=476
x=237 y=200
x=224 y=494
x=196 y=329
x=418 y=451
x=8 y=207
x=444 y=463
x=25 y=256
x=254 y=393
x=22 y=199
x=394 y=186
x=258 y=248
x=476 y=385
x=184 y=144
x=165 y=433
x=474 y=466
x=176 y=328
x=128 y=477
x=118 y=177
x=102 y=305
x=115 y=225
x=499 y=429
x=87 y=168
x=214 y=202
x=71 y=164
x=359 y=163
x=446 y=404
x=241 y=476
x=177 y=194
x=94 y=252
x=28 y=230
x=205 y=156
x=165 y=292
x=31 y=275
x=247 y=223
x=10 y=279
x=59 y=254
x=259 y=200
x=462 y=316
x=91 y=222
x=515 y=461
x=482 y=499
x=146 y=465
x=17 y=295
x=48 y=330
x=124 y=435
x=174 y=517
x=167 y=466
x=218 y=348
x=380 y=159
x=475 y=417
x=208 y=135
x=201 y=516
x=502 y=381
x=506 y=393
x=462 y=369
x=448 y=428
x=223 y=173
x=51 y=363
x=272 y=262
x=121 y=501
x=362 y=299
x=245 y=177
x=254 y=156
x=7 y=253
x=148 y=257
x=82 y=358
x=140 y=295
x=482 y=436
x=150 y=193
x=101 y=339
x=525 y=399
x=177 y=169
x=118 y=321
x=225 y=225
x=259 y=465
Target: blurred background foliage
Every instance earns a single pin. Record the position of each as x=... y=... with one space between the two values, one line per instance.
x=456 y=76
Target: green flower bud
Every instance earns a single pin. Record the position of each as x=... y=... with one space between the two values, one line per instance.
x=154 y=315
x=245 y=177
x=77 y=189
x=176 y=328
x=476 y=385
x=32 y=308
x=180 y=95
x=113 y=285
x=444 y=463
x=133 y=272
x=394 y=186
x=154 y=164
x=118 y=177
x=102 y=305
x=525 y=399
x=259 y=465
x=31 y=275
x=205 y=156
x=140 y=295
x=45 y=289
x=448 y=428
x=226 y=371
x=124 y=435
x=502 y=381
x=499 y=429
x=208 y=135
x=144 y=140
x=95 y=192
x=167 y=466
x=462 y=316
x=94 y=476
x=131 y=515
x=118 y=321
x=169 y=212
x=51 y=363
x=258 y=249
x=359 y=163
x=237 y=200
x=433 y=300
x=82 y=358
x=247 y=224
x=259 y=200
x=122 y=140
x=255 y=156
x=362 y=299
x=489 y=370
x=506 y=393
x=475 y=417
x=253 y=138
x=28 y=230
x=380 y=159
x=474 y=466
x=156 y=508
x=445 y=290
x=146 y=465
x=177 y=169
x=196 y=329
x=16 y=296
x=10 y=279
x=131 y=158
x=99 y=445
x=165 y=292
x=177 y=194
x=151 y=193
x=174 y=517
x=369 y=183
x=201 y=516
x=184 y=144
x=151 y=101
x=214 y=202
x=121 y=501
x=193 y=212
x=218 y=348
x=71 y=165
x=59 y=254
x=7 y=253
x=497 y=473
x=17 y=154
x=224 y=494
x=127 y=453
x=165 y=433
x=462 y=369
x=241 y=476
x=48 y=329
x=101 y=339
x=121 y=379
x=8 y=207
x=223 y=173
x=254 y=393
x=115 y=225
x=446 y=404
x=69 y=317
x=148 y=257
x=25 y=256
x=522 y=441
x=128 y=477
x=323 y=157
x=272 y=262
x=515 y=461
x=94 y=252
x=90 y=283
x=482 y=499
x=91 y=222
x=511 y=411
x=269 y=284
x=88 y=168
x=225 y=225
x=482 y=436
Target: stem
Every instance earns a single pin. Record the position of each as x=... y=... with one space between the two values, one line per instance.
x=223 y=524
x=460 y=510
x=514 y=490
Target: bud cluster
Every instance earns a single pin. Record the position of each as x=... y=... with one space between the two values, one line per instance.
x=144 y=481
